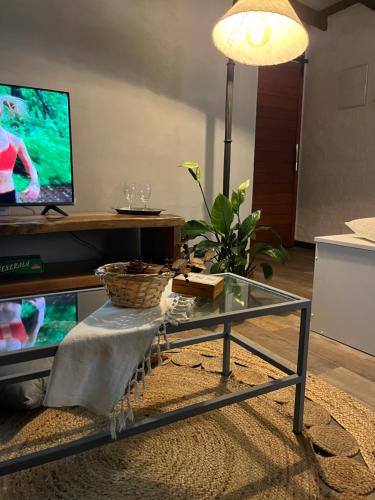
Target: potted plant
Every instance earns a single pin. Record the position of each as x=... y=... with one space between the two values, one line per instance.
x=229 y=242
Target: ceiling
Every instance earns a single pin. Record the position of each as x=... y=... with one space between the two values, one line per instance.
x=316 y=12
x=318 y=4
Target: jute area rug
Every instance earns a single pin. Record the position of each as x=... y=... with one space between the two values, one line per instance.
x=242 y=451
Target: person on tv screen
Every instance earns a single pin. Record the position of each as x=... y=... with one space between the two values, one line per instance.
x=14 y=333
x=11 y=147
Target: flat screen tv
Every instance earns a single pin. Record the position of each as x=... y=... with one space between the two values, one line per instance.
x=35 y=147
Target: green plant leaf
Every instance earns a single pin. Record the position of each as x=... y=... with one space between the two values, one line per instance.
x=267 y=270
x=189 y=164
x=218 y=267
x=236 y=250
x=237 y=294
x=194 y=169
x=238 y=195
x=270 y=229
x=277 y=253
x=259 y=248
x=194 y=228
x=248 y=225
x=240 y=260
x=201 y=248
x=222 y=215
x=236 y=200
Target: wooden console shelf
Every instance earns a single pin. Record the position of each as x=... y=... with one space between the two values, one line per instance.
x=83 y=221
x=158 y=236
x=46 y=284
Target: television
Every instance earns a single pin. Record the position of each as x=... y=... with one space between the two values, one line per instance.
x=36 y=165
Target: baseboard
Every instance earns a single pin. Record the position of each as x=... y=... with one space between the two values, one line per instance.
x=304 y=244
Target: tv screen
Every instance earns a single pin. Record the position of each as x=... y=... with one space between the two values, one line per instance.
x=35 y=147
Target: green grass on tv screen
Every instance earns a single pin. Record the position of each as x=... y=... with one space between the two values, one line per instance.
x=44 y=128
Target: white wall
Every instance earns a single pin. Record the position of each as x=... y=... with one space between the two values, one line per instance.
x=337 y=174
x=147 y=92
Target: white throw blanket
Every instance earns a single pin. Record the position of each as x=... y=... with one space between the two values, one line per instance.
x=96 y=364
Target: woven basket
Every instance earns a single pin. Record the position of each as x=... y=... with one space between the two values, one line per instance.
x=132 y=290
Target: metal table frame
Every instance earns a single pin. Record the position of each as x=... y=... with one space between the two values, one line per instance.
x=297 y=378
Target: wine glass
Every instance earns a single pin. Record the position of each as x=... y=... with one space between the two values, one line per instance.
x=144 y=191
x=129 y=192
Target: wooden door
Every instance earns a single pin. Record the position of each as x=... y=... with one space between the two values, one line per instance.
x=277 y=136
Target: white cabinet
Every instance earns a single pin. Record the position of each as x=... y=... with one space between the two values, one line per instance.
x=344 y=291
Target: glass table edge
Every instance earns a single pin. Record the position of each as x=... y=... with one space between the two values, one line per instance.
x=50 y=294
x=213 y=319
x=230 y=317
x=264 y=286
x=295 y=302
x=258 y=284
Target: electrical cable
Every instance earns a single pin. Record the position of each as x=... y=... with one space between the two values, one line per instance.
x=30 y=209
x=88 y=245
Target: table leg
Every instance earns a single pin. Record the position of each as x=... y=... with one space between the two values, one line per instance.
x=226 y=350
x=303 y=348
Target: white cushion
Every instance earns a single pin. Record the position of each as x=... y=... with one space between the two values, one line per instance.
x=24 y=395
x=365 y=228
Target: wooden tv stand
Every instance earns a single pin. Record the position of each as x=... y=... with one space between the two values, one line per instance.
x=157 y=238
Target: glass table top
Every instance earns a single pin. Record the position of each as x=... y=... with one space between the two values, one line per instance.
x=240 y=294
x=28 y=322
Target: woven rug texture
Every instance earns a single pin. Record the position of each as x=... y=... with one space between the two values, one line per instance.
x=246 y=450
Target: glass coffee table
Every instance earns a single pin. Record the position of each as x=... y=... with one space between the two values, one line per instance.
x=43 y=322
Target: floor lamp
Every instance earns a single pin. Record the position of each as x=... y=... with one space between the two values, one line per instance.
x=256 y=33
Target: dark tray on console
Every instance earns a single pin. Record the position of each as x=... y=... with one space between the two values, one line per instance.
x=140 y=211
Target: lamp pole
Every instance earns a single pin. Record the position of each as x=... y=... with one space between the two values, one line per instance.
x=228 y=125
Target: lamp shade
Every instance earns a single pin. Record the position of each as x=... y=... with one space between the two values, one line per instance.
x=261 y=33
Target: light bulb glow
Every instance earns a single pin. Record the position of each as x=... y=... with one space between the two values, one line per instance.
x=258 y=31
